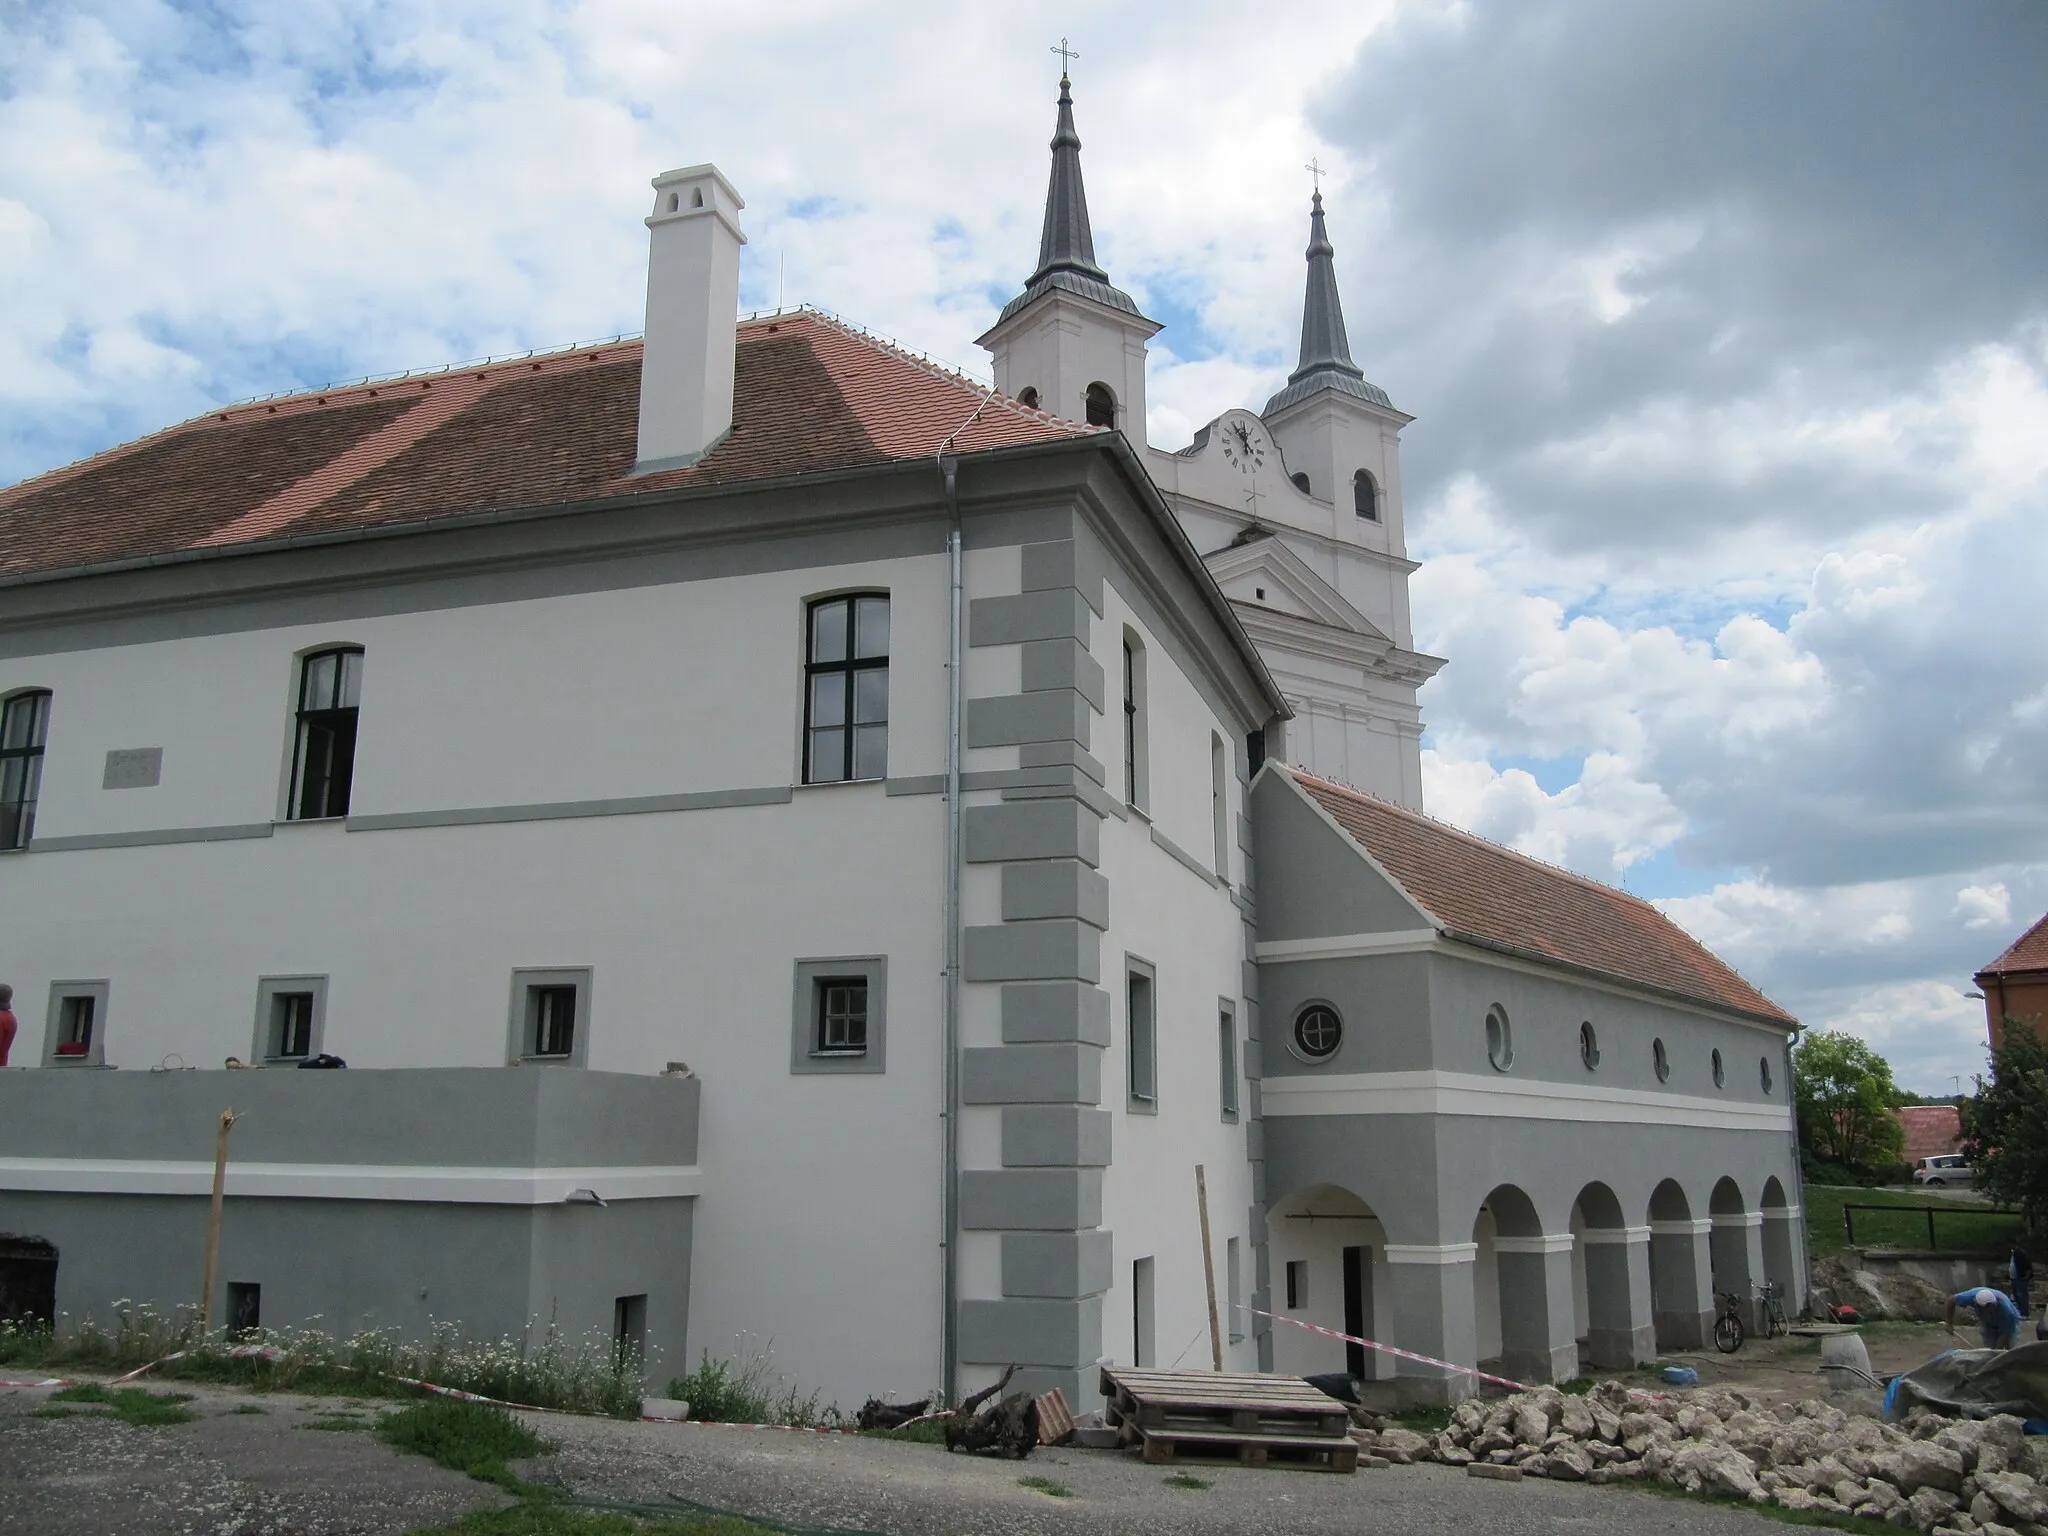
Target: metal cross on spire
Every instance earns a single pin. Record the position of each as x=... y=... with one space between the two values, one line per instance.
x=1067 y=56
x=1315 y=169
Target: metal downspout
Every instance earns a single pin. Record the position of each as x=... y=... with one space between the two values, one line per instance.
x=949 y=1327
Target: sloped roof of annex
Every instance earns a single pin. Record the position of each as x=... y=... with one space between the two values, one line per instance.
x=1432 y=876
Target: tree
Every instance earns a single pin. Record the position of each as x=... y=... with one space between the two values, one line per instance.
x=2005 y=1132
x=1846 y=1096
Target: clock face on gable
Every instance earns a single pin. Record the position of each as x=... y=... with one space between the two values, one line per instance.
x=1244 y=447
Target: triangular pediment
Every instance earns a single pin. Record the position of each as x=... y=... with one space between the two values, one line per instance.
x=1262 y=572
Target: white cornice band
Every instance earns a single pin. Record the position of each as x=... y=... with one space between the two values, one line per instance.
x=1500 y=1096
x=346 y=1181
x=1431 y=1253
x=1737 y=1219
x=1598 y=1236
x=1699 y=1228
x=1543 y=1242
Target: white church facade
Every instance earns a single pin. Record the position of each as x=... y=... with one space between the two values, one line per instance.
x=791 y=843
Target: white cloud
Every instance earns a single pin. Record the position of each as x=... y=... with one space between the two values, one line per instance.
x=1984 y=906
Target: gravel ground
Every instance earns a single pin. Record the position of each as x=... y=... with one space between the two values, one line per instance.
x=860 y=1484
x=241 y=1474
x=227 y=1474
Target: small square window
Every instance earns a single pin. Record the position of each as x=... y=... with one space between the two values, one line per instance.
x=76 y=1031
x=842 y=1015
x=1297 y=1284
x=551 y=1016
x=837 y=1022
x=291 y=1019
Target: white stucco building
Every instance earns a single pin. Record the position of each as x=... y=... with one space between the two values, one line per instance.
x=793 y=844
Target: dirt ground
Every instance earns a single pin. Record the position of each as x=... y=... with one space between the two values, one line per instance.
x=279 y=1464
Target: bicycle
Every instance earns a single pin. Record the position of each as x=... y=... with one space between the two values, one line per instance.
x=1771 y=1309
x=1728 y=1330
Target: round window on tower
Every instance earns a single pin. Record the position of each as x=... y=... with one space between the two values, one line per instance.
x=1028 y=396
x=1317 y=1032
x=1300 y=480
x=1500 y=1039
x=1662 y=1059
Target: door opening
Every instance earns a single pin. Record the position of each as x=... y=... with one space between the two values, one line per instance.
x=1357 y=1289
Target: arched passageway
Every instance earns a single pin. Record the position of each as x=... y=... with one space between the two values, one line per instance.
x=1610 y=1282
x=1781 y=1246
x=1734 y=1248
x=1681 y=1291
x=1522 y=1290
x=1327 y=1252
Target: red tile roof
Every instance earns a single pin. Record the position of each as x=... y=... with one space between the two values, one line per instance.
x=1932 y=1130
x=810 y=395
x=1481 y=891
x=2028 y=952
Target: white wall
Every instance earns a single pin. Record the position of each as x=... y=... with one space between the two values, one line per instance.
x=1341 y=1221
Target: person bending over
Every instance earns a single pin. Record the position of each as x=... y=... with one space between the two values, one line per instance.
x=1998 y=1320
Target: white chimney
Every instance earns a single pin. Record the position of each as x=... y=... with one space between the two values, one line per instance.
x=693 y=295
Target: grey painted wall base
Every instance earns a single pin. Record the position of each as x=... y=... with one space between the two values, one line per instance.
x=1620 y=1349
x=1683 y=1330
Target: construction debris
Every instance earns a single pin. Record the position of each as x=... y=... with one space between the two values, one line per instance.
x=876 y=1414
x=1008 y=1428
x=1954 y=1478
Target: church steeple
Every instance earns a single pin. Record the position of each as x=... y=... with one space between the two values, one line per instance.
x=1066 y=246
x=1325 y=350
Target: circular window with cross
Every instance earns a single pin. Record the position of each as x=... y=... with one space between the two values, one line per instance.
x=1317 y=1032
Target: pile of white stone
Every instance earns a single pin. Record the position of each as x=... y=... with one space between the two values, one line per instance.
x=1972 y=1478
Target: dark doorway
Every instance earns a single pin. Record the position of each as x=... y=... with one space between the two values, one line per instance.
x=245 y=1308
x=629 y=1331
x=1356 y=1280
x=28 y=1282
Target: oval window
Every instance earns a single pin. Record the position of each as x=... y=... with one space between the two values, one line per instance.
x=1589 y=1046
x=1318 y=1032
x=1720 y=1072
x=1763 y=1072
x=1663 y=1060
x=1500 y=1039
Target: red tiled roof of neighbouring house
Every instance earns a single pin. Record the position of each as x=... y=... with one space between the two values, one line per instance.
x=1481 y=891
x=1932 y=1130
x=810 y=395
x=2028 y=952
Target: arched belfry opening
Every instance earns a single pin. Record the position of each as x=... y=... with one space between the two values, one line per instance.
x=1101 y=405
x=1365 y=495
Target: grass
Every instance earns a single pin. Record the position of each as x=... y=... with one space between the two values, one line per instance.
x=248 y=1408
x=1046 y=1486
x=338 y=1422
x=1825 y=1519
x=545 y=1369
x=930 y=1432
x=747 y=1390
x=1963 y=1228
x=131 y=1405
x=1424 y=1421
x=472 y=1438
x=1182 y=1480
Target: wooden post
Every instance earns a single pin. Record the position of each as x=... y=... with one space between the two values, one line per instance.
x=1209 y=1269
x=220 y=1179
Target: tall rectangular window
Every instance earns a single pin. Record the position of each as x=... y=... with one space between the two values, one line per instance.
x=1219 y=805
x=846 y=689
x=1134 y=722
x=1233 y=1279
x=1226 y=1061
x=1144 y=1346
x=551 y=1016
x=290 y=1018
x=1297 y=1284
x=324 y=756
x=1141 y=1032
x=554 y=1020
x=74 y=1025
x=76 y=1032
x=24 y=727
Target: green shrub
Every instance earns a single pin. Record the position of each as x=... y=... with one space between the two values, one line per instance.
x=474 y=1438
x=746 y=1390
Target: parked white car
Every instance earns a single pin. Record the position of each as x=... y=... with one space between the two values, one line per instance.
x=1950 y=1168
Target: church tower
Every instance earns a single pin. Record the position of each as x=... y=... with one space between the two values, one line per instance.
x=1071 y=343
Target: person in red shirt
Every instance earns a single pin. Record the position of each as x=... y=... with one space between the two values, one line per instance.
x=8 y=1024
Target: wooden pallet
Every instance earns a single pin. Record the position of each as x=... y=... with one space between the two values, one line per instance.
x=1254 y=1420
x=1311 y=1453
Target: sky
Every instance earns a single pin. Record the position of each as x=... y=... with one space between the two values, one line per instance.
x=1724 y=322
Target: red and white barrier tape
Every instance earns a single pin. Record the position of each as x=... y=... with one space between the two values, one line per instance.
x=1388 y=1349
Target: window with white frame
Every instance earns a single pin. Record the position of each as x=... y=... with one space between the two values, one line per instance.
x=1141 y=1033
x=1135 y=794
x=1233 y=1277
x=1219 y=804
x=324 y=747
x=24 y=728
x=550 y=1021
x=846 y=689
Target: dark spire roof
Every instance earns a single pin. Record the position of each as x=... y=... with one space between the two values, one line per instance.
x=1066 y=248
x=1325 y=350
